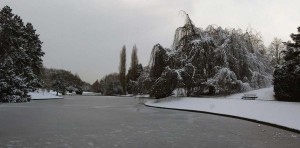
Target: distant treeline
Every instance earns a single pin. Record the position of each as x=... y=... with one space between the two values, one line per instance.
x=63 y=81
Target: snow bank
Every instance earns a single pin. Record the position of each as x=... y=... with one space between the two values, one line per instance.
x=143 y=96
x=284 y=114
x=91 y=94
x=43 y=95
x=265 y=94
x=52 y=92
x=127 y=95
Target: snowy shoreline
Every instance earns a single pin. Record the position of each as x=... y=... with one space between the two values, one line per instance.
x=264 y=109
x=43 y=96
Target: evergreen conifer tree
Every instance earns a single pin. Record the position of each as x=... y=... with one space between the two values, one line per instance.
x=122 y=69
x=20 y=58
x=287 y=75
x=96 y=86
x=134 y=64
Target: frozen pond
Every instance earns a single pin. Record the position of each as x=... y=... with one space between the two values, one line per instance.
x=95 y=121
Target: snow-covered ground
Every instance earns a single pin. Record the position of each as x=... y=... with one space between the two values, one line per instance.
x=43 y=95
x=142 y=96
x=264 y=94
x=91 y=94
x=52 y=92
x=127 y=95
x=264 y=108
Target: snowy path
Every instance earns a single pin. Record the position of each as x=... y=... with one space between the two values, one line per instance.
x=286 y=114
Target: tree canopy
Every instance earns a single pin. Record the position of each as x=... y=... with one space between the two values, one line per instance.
x=287 y=74
x=20 y=57
x=209 y=61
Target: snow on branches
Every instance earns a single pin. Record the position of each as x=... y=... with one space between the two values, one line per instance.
x=215 y=59
x=20 y=58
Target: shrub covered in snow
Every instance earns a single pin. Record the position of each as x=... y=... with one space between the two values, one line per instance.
x=215 y=59
x=111 y=85
x=287 y=75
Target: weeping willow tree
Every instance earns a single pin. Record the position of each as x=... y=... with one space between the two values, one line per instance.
x=187 y=30
x=209 y=61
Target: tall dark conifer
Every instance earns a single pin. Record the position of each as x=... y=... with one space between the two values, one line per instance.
x=122 y=69
x=96 y=87
x=134 y=64
x=287 y=75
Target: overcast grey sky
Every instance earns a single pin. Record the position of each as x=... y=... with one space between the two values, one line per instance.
x=86 y=36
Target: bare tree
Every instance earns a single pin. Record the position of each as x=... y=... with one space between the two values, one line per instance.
x=122 y=69
x=275 y=49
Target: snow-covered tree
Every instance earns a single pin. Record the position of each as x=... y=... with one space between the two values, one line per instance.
x=143 y=83
x=165 y=84
x=214 y=60
x=133 y=78
x=158 y=61
x=72 y=82
x=275 y=50
x=111 y=85
x=287 y=75
x=20 y=57
x=86 y=87
x=59 y=84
